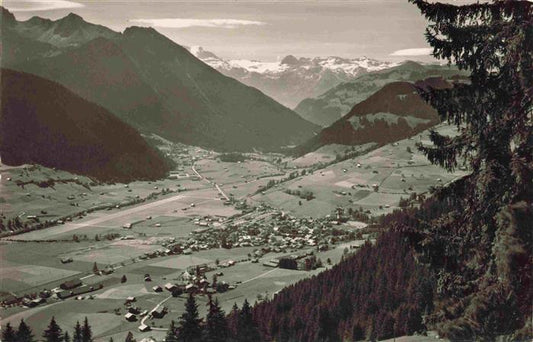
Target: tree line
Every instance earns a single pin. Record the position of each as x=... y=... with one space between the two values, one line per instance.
x=238 y=326
x=53 y=333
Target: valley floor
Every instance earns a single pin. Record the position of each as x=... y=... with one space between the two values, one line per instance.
x=191 y=210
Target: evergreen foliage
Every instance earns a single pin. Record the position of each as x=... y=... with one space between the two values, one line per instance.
x=247 y=329
x=484 y=243
x=129 y=337
x=77 y=337
x=189 y=326
x=216 y=327
x=380 y=292
x=172 y=333
x=86 y=331
x=53 y=332
x=9 y=334
x=24 y=333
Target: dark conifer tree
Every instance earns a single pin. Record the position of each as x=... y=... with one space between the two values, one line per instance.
x=53 y=332
x=86 y=331
x=172 y=333
x=9 y=334
x=233 y=320
x=358 y=334
x=482 y=249
x=77 y=337
x=189 y=328
x=129 y=337
x=216 y=327
x=247 y=329
x=284 y=331
x=327 y=327
x=24 y=333
x=66 y=337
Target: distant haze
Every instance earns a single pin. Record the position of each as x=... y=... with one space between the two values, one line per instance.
x=267 y=30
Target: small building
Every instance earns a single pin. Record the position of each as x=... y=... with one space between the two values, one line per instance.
x=131 y=299
x=66 y=260
x=9 y=299
x=144 y=328
x=130 y=317
x=159 y=312
x=70 y=284
x=271 y=263
x=39 y=300
x=157 y=288
x=186 y=275
x=190 y=288
x=134 y=310
x=108 y=270
x=171 y=287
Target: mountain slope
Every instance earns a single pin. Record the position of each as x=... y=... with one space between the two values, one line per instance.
x=333 y=104
x=43 y=122
x=71 y=30
x=394 y=112
x=292 y=79
x=158 y=87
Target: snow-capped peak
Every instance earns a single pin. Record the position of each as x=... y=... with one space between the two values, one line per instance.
x=291 y=79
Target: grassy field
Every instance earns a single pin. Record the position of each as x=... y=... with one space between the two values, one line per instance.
x=327 y=154
x=397 y=170
x=30 y=275
x=70 y=193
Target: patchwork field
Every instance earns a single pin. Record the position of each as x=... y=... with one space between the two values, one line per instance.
x=375 y=181
x=51 y=194
x=28 y=276
x=31 y=262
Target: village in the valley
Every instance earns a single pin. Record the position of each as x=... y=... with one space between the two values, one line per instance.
x=237 y=226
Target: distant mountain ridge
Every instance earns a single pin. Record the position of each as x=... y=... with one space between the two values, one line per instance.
x=152 y=83
x=330 y=106
x=395 y=112
x=292 y=79
x=42 y=122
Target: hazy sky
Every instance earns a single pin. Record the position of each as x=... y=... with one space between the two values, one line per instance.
x=262 y=30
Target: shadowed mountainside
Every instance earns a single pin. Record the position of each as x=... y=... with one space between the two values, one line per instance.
x=393 y=113
x=152 y=83
x=43 y=122
x=338 y=101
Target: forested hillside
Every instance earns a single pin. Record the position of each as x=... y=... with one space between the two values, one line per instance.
x=42 y=122
x=379 y=293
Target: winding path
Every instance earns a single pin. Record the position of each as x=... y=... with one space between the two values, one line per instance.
x=155 y=308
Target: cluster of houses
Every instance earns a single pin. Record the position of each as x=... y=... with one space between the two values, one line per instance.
x=75 y=287
x=67 y=289
x=194 y=281
x=30 y=300
x=270 y=230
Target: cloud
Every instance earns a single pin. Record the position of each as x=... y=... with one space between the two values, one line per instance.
x=413 y=52
x=184 y=23
x=42 y=5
